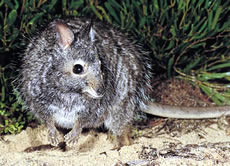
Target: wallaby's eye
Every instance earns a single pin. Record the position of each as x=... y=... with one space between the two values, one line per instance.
x=78 y=69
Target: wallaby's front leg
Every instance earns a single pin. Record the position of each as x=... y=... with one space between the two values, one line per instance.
x=53 y=135
x=72 y=137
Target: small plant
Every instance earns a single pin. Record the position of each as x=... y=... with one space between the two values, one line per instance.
x=13 y=116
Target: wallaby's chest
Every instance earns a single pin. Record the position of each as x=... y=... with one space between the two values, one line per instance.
x=64 y=117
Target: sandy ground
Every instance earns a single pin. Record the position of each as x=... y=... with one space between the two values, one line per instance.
x=210 y=145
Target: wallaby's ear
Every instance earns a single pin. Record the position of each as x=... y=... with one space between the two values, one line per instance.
x=64 y=35
x=88 y=33
x=91 y=34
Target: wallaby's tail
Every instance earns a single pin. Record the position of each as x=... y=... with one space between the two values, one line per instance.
x=181 y=112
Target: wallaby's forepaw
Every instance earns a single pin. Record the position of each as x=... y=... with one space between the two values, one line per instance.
x=53 y=137
x=71 y=138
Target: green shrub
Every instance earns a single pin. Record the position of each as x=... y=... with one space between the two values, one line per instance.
x=13 y=116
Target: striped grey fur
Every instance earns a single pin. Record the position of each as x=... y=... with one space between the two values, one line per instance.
x=113 y=88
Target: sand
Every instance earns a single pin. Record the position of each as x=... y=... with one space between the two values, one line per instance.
x=210 y=145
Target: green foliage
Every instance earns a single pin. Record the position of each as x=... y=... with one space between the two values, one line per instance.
x=187 y=38
x=177 y=31
x=12 y=114
x=19 y=17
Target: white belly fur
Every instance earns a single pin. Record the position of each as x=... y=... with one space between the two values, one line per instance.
x=64 y=118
